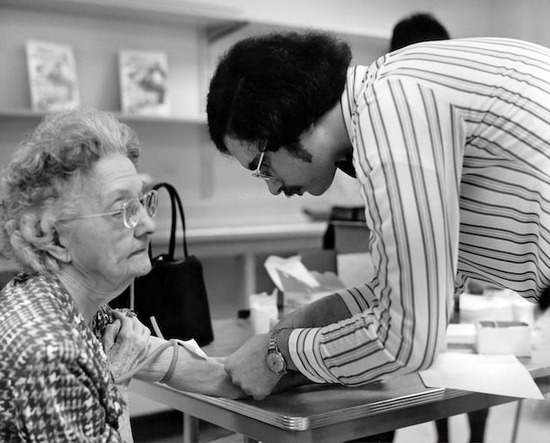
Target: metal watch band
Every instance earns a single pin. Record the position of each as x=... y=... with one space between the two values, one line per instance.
x=272 y=344
x=275 y=360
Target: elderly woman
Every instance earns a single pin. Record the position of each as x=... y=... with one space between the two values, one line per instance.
x=75 y=217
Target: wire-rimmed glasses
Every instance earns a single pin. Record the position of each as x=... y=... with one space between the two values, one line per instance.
x=258 y=171
x=130 y=209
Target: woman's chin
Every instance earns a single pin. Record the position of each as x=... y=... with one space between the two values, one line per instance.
x=141 y=267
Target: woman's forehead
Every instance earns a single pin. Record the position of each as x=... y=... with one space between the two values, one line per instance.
x=117 y=173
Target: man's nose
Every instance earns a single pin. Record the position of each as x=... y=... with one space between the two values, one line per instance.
x=274 y=186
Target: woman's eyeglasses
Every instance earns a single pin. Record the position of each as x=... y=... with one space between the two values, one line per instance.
x=258 y=172
x=130 y=209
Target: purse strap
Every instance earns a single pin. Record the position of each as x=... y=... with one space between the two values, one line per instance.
x=174 y=201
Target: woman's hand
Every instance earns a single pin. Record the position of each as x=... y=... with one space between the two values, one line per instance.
x=192 y=372
x=126 y=343
x=220 y=383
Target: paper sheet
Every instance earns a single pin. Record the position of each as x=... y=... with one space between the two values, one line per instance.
x=491 y=374
x=193 y=347
x=292 y=266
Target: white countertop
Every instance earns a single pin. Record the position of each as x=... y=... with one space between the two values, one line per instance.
x=263 y=238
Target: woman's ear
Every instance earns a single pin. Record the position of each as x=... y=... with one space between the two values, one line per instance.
x=59 y=252
x=57 y=249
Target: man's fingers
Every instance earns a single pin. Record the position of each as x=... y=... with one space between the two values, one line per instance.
x=259 y=396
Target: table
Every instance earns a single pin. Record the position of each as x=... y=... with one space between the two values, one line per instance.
x=317 y=414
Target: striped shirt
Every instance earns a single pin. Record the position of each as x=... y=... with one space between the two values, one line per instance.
x=452 y=149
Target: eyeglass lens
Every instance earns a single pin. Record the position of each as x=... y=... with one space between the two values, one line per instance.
x=132 y=207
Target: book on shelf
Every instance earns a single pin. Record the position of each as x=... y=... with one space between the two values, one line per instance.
x=53 y=79
x=144 y=82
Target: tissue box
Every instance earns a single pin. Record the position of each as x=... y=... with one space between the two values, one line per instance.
x=300 y=286
x=503 y=337
x=297 y=294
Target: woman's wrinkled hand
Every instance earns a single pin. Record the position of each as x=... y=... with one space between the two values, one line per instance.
x=220 y=384
x=126 y=342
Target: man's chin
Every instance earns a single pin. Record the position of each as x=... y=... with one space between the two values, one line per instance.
x=316 y=192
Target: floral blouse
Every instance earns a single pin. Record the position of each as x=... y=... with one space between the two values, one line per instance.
x=55 y=383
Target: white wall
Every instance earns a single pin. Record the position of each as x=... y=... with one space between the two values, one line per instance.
x=463 y=17
x=527 y=19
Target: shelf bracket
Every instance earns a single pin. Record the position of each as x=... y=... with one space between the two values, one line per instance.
x=215 y=33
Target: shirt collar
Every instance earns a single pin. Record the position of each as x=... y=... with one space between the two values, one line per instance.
x=347 y=106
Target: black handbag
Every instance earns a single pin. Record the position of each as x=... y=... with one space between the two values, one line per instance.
x=174 y=292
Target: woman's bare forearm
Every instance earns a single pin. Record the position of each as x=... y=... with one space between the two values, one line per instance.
x=192 y=373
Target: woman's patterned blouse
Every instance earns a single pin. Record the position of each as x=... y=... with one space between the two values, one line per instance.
x=55 y=383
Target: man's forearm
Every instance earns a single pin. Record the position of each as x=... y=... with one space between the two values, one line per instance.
x=323 y=312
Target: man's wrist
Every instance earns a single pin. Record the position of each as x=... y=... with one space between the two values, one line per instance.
x=282 y=344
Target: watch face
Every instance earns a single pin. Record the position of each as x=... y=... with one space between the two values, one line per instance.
x=276 y=363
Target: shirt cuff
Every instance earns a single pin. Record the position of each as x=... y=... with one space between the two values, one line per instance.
x=305 y=351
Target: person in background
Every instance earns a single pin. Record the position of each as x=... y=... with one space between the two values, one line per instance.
x=449 y=142
x=76 y=217
x=416 y=28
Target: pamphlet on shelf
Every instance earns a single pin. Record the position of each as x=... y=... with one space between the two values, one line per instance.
x=53 y=80
x=144 y=82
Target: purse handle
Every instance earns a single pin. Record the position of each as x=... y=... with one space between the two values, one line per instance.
x=174 y=200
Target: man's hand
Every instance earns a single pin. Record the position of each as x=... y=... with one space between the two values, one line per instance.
x=247 y=368
x=126 y=343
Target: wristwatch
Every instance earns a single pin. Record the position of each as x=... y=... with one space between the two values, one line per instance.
x=275 y=360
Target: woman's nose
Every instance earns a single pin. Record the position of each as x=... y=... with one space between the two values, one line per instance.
x=274 y=186
x=146 y=224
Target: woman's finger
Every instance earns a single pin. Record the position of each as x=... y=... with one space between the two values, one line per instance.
x=110 y=334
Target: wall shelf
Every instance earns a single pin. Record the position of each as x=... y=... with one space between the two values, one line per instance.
x=363 y=35
x=38 y=115
x=200 y=13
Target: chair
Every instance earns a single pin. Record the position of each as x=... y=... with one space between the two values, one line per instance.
x=346 y=237
x=6 y=276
